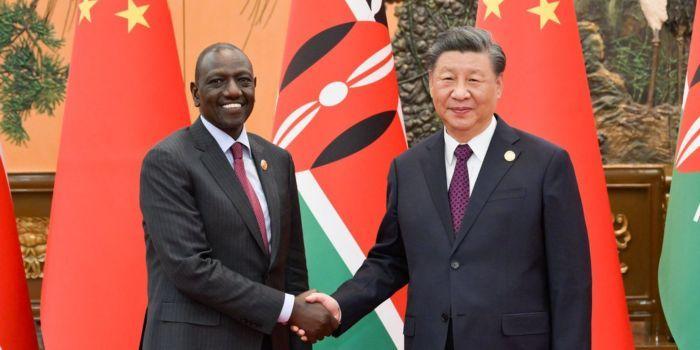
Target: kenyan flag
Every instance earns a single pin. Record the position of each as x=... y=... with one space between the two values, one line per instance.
x=339 y=116
x=679 y=268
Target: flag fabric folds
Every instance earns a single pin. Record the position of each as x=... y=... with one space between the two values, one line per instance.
x=679 y=267
x=339 y=116
x=546 y=93
x=125 y=92
x=16 y=323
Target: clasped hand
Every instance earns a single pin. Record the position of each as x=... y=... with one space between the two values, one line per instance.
x=314 y=316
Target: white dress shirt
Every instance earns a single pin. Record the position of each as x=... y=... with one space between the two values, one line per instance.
x=479 y=145
x=225 y=142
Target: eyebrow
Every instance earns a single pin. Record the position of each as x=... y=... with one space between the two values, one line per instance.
x=452 y=71
x=220 y=72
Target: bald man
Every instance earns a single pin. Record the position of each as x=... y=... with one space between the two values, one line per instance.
x=225 y=252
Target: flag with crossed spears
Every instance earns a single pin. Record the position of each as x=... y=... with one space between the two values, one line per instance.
x=679 y=267
x=339 y=116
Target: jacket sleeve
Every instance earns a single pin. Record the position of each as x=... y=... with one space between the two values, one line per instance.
x=296 y=274
x=568 y=256
x=297 y=278
x=383 y=272
x=176 y=231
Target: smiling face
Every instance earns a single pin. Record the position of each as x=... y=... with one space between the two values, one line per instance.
x=465 y=91
x=224 y=89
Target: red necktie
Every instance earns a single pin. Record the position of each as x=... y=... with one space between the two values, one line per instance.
x=239 y=168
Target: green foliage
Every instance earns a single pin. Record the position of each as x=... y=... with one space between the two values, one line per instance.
x=631 y=57
x=32 y=76
x=628 y=47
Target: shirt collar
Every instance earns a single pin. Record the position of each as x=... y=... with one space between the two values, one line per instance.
x=224 y=140
x=479 y=143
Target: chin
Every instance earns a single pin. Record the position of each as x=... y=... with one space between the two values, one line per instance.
x=233 y=120
x=464 y=124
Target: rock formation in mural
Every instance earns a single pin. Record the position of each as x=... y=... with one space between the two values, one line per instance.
x=628 y=131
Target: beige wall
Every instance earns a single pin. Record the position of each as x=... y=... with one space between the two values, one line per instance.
x=39 y=154
x=196 y=24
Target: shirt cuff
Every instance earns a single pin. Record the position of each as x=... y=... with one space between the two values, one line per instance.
x=287 y=307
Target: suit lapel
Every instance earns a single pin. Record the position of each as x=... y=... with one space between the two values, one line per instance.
x=222 y=172
x=433 y=163
x=269 y=186
x=492 y=171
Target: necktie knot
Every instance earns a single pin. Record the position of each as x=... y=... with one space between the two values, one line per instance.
x=237 y=150
x=463 y=152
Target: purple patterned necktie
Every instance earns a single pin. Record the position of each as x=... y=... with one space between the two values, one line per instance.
x=239 y=168
x=459 y=186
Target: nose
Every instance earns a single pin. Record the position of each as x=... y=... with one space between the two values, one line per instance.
x=461 y=92
x=232 y=89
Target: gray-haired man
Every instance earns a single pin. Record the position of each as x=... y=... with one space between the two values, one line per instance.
x=483 y=222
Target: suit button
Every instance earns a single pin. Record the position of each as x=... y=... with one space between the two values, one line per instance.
x=454 y=265
x=445 y=317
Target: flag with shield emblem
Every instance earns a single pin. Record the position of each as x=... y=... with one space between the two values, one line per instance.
x=339 y=116
x=679 y=268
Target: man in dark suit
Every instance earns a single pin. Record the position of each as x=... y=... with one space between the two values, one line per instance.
x=225 y=252
x=484 y=223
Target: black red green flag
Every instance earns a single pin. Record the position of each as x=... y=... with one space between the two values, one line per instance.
x=339 y=115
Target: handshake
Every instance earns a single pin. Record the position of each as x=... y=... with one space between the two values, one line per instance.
x=314 y=316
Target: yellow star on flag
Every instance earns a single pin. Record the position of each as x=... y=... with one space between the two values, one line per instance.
x=84 y=8
x=546 y=12
x=134 y=14
x=492 y=6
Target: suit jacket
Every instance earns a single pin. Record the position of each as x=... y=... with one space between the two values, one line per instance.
x=516 y=276
x=211 y=283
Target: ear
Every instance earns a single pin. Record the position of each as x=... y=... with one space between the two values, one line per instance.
x=255 y=81
x=195 y=93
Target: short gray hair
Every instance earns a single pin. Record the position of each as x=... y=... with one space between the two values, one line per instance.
x=467 y=39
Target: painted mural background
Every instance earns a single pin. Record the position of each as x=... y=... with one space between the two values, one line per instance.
x=634 y=126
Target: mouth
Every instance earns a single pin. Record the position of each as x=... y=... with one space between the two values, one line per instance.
x=232 y=106
x=461 y=110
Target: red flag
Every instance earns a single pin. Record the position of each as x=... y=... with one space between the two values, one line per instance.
x=16 y=324
x=546 y=93
x=125 y=92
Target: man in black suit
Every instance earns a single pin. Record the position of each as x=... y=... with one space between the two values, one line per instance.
x=484 y=223
x=225 y=252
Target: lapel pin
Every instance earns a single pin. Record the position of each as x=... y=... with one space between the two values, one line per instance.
x=509 y=156
x=263 y=165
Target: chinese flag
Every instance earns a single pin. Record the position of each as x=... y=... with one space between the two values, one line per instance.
x=546 y=93
x=125 y=92
x=16 y=324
